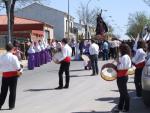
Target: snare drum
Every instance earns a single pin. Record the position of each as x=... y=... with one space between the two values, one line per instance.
x=108 y=72
x=131 y=71
x=56 y=57
x=85 y=57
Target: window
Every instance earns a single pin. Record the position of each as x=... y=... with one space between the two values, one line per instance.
x=66 y=25
x=71 y=27
x=47 y=34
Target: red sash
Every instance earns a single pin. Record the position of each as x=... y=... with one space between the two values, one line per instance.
x=67 y=59
x=140 y=65
x=122 y=73
x=10 y=74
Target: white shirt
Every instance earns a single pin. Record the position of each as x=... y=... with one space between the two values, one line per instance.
x=94 y=49
x=113 y=44
x=73 y=44
x=139 y=56
x=37 y=48
x=31 y=49
x=124 y=62
x=9 y=62
x=117 y=43
x=66 y=52
x=42 y=46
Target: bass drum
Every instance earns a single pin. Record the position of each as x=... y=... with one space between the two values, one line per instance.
x=56 y=57
x=108 y=72
x=85 y=57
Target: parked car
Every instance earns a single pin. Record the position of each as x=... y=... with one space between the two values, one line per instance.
x=146 y=84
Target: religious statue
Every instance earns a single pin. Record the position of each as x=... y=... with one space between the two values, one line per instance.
x=101 y=26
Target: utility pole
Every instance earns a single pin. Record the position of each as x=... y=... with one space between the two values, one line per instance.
x=9 y=23
x=68 y=18
x=8 y=3
x=87 y=27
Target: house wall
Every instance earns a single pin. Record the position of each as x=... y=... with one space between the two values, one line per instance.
x=46 y=15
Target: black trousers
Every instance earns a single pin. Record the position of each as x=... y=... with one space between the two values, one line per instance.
x=137 y=81
x=64 y=67
x=94 y=63
x=73 y=51
x=11 y=85
x=124 y=100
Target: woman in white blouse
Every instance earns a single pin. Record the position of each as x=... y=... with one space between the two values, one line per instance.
x=139 y=62
x=123 y=64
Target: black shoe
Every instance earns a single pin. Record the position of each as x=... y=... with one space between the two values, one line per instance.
x=124 y=111
x=92 y=74
x=85 y=68
x=116 y=110
x=11 y=108
x=66 y=87
x=59 y=87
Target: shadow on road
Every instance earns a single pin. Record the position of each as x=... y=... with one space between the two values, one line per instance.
x=129 y=90
x=79 y=75
x=136 y=105
x=93 y=112
x=36 y=90
x=4 y=109
x=109 y=99
x=77 y=70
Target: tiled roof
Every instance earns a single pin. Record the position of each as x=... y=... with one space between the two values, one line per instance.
x=18 y=20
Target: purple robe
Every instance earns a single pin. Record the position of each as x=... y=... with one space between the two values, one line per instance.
x=31 y=61
x=37 y=59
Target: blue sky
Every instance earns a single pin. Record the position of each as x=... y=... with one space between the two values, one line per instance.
x=118 y=9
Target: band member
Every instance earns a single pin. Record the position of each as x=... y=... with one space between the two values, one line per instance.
x=42 y=54
x=124 y=63
x=10 y=66
x=148 y=51
x=94 y=51
x=139 y=62
x=73 y=46
x=31 y=57
x=64 y=64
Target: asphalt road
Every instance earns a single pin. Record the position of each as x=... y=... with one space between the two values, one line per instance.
x=86 y=94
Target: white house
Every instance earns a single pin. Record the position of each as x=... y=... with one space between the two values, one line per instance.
x=79 y=30
x=48 y=15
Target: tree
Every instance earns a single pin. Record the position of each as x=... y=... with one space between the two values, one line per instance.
x=87 y=16
x=136 y=24
x=147 y=2
x=10 y=7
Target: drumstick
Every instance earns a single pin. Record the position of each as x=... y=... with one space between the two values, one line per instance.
x=113 y=61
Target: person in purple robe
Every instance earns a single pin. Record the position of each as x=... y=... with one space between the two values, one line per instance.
x=37 y=49
x=31 y=57
x=42 y=53
x=47 y=49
